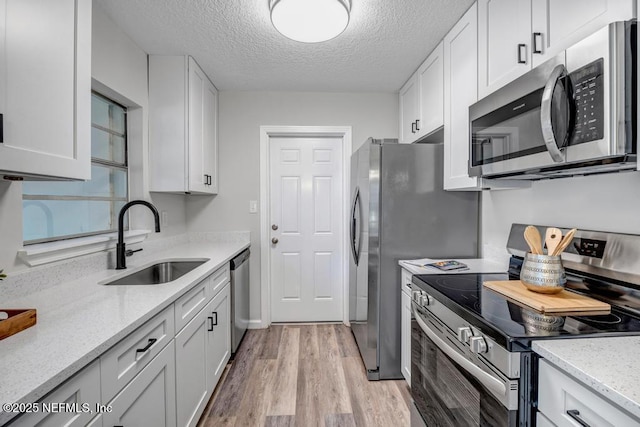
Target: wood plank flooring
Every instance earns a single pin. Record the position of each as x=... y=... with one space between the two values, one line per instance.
x=304 y=375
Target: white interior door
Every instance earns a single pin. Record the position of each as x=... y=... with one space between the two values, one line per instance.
x=306 y=218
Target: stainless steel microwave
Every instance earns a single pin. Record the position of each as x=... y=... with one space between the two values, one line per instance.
x=575 y=114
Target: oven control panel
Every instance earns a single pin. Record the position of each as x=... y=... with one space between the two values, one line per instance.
x=588 y=92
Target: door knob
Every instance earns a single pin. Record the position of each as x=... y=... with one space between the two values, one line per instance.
x=274 y=240
x=274 y=227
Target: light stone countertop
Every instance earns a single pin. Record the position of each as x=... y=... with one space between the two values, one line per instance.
x=80 y=320
x=476 y=265
x=610 y=366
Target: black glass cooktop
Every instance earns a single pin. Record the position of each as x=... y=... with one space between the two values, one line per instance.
x=514 y=326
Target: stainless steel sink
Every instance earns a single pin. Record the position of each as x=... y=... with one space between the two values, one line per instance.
x=162 y=272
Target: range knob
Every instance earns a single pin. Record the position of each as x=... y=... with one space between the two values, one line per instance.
x=478 y=345
x=426 y=299
x=415 y=295
x=464 y=334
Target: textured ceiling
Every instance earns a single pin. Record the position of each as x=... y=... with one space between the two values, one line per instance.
x=236 y=45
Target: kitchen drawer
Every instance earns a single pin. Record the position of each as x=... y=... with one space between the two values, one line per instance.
x=126 y=359
x=558 y=394
x=218 y=279
x=405 y=280
x=189 y=304
x=83 y=388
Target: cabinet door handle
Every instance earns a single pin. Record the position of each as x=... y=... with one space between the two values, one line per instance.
x=206 y=179
x=210 y=323
x=215 y=322
x=536 y=37
x=151 y=342
x=520 y=56
x=575 y=414
x=417 y=123
x=413 y=127
x=209 y=179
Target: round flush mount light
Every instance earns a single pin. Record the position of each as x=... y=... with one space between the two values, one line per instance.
x=310 y=21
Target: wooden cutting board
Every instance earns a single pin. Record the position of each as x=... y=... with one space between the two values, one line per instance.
x=17 y=321
x=562 y=302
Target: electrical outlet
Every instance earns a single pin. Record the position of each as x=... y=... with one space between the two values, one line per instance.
x=253 y=206
x=164 y=216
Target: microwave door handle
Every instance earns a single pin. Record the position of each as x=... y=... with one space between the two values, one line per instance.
x=489 y=381
x=545 y=113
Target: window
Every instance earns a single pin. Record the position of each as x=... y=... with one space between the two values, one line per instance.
x=62 y=210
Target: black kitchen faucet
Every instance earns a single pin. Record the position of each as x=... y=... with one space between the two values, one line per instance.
x=121 y=262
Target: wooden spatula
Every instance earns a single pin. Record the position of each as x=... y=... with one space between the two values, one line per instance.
x=566 y=240
x=552 y=238
x=533 y=238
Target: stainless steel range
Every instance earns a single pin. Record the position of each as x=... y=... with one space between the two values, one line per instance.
x=472 y=363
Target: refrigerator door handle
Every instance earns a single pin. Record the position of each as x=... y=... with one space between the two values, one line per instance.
x=355 y=250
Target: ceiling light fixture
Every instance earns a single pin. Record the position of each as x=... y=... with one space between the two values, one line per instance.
x=310 y=21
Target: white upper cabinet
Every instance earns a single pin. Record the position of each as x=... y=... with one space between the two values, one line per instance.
x=504 y=42
x=45 y=89
x=430 y=78
x=421 y=99
x=460 y=91
x=517 y=35
x=183 y=122
x=408 y=111
x=557 y=24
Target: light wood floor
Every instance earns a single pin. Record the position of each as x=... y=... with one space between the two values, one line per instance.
x=304 y=375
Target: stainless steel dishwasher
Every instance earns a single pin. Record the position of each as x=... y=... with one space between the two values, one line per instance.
x=239 y=298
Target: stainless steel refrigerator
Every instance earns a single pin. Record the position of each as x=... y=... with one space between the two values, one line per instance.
x=399 y=210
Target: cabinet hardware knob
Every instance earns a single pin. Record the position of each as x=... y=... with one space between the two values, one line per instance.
x=274 y=227
x=151 y=342
x=274 y=240
x=520 y=56
x=575 y=414
x=536 y=37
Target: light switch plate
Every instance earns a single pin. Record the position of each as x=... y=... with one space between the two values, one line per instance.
x=253 y=206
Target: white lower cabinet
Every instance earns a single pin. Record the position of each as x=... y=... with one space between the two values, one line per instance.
x=150 y=398
x=405 y=328
x=563 y=401
x=83 y=388
x=219 y=343
x=202 y=351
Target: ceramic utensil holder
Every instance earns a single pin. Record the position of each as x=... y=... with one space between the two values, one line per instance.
x=543 y=273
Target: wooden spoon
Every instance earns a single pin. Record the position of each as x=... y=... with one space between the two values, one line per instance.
x=552 y=238
x=533 y=238
x=566 y=240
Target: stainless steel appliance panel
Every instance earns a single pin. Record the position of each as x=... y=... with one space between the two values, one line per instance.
x=407 y=215
x=239 y=298
x=574 y=114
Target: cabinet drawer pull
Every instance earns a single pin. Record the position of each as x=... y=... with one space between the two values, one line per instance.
x=151 y=342
x=520 y=59
x=211 y=325
x=215 y=313
x=575 y=414
x=536 y=37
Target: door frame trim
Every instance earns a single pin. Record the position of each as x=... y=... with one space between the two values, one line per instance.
x=266 y=133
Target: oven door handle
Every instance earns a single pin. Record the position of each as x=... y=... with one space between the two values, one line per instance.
x=489 y=381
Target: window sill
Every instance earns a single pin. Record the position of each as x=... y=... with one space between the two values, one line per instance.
x=43 y=253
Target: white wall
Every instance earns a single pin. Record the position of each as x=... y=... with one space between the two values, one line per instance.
x=599 y=202
x=241 y=115
x=119 y=70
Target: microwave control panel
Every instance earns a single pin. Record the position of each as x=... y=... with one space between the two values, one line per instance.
x=588 y=93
